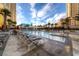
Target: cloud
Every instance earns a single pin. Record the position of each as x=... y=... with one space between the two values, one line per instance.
x=59 y=16
x=51 y=12
x=19 y=17
x=52 y=18
x=40 y=17
x=37 y=22
x=33 y=11
x=40 y=13
x=43 y=11
x=18 y=8
x=36 y=19
x=56 y=17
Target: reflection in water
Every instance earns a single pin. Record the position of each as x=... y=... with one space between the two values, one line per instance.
x=45 y=34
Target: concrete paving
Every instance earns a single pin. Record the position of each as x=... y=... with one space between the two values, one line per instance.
x=75 y=48
x=12 y=46
x=50 y=47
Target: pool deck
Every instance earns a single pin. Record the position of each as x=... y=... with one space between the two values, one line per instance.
x=12 y=46
x=50 y=47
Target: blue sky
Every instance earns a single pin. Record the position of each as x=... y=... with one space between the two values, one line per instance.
x=39 y=13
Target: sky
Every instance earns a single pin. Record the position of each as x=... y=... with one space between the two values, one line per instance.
x=39 y=13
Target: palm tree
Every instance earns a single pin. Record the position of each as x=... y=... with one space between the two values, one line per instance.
x=65 y=22
x=52 y=24
x=1 y=13
x=10 y=22
x=55 y=25
x=14 y=23
x=62 y=22
x=48 y=24
x=77 y=17
x=5 y=13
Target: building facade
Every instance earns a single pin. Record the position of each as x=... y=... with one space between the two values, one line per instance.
x=1 y=16
x=13 y=11
x=72 y=11
x=12 y=8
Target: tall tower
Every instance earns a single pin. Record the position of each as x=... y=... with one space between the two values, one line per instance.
x=72 y=11
x=13 y=11
x=1 y=16
x=12 y=8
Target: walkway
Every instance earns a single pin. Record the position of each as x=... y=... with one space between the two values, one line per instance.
x=12 y=46
x=50 y=47
x=75 y=48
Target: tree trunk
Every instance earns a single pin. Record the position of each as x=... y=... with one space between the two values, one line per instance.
x=4 y=28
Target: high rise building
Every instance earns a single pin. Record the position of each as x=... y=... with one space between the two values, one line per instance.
x=72 y=11
x=1 y=16
x=13 y=11
x=1 y=5
x=12 y=8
